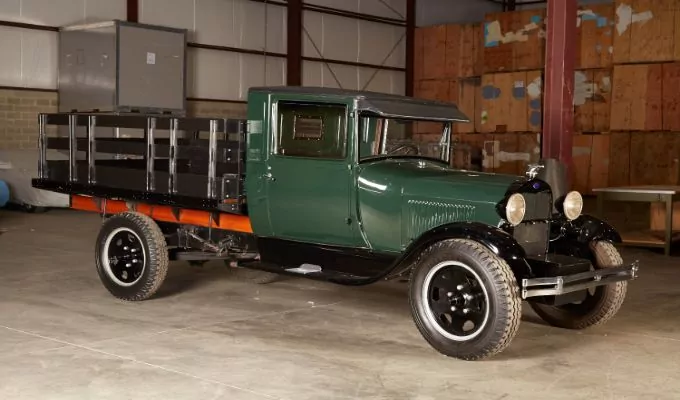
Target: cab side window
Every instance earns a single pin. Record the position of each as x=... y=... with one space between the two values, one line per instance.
x=312 y=130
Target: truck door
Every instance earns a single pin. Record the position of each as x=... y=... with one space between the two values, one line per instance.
x=308 y=178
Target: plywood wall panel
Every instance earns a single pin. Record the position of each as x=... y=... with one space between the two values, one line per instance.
x=582 y=150
x=498 y=54
x=595 y=35
x=637 y=102
x=514 y=41
x=619 y=159
x=467 y=97
x=654 y=158
x=434 y=47
x=599 y=163
x=592 y=100
x=511 y=102
x=646 y=30
x=671 y=97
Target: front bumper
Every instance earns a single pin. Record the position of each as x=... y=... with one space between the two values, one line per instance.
x=559 y=285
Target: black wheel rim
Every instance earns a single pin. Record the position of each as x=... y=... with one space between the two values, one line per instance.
x=456 y=301
x=124 y=257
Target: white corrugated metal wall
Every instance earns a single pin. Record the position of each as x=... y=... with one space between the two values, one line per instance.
x=344 y=38
x=224 y=72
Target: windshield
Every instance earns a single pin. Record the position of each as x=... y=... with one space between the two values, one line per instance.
x=386 y=137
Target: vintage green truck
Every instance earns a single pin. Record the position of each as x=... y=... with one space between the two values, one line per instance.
x=334 y=185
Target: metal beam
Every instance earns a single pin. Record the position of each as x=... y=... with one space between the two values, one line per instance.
x=410 y=43
x=558 y=101
x=294 y=44
x=133 y=10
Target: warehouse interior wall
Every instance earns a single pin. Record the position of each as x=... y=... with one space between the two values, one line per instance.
x=233 y=45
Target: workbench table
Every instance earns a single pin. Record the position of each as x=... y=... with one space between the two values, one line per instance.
x=649 y=194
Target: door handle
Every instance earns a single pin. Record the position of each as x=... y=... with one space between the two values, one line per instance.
x=268 y=176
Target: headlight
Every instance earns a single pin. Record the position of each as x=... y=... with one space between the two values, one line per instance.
x=515 y=209
x=572 y=205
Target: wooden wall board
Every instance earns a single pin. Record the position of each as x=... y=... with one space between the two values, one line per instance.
x=498 y=52
x=599 y=163
x=595 y=28
x=467 y=98
x=592 y=100
x=434 y=49
x=619 y=159
x=529 y=48
x=654 y=158
x=511 y=102
x=463 y=50
x=500 y=154
x=671 y=96
x=529 y=146
x=637 y=98
x=514 y=41
x=582 y=147
x=645 y=31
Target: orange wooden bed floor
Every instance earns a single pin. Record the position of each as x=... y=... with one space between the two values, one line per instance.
x=230 y=222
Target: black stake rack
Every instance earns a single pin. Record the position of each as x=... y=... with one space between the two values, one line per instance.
x=184 y=169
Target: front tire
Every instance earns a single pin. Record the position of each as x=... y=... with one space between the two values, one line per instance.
x=465 y=300
x=131 y=256
x=599 y=306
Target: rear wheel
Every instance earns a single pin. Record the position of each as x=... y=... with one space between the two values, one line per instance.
x=131 y=256
x=465 y=300
x=600 y=304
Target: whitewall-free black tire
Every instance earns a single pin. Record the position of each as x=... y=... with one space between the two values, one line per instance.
x=131 y=256
x=465 y=300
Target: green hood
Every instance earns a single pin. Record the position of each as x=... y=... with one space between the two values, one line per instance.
x=433 y=180
x=424 y=194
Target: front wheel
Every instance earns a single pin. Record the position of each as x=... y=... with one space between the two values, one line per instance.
x=600 y=304
x=131 y=256
x=465 y=300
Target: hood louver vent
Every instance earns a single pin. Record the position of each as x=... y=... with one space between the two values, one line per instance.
x=423 y=215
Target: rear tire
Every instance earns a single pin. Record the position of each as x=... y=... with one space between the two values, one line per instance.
x=599 y=306
x=458 y=283
x=131 y=256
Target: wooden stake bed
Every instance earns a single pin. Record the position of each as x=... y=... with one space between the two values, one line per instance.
x=189 y=164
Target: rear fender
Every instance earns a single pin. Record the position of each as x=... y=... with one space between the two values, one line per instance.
x=495 y=239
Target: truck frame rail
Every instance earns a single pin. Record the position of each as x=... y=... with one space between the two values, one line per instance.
x=161 y=159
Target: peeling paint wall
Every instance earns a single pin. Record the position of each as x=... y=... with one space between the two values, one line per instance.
x=494 y=35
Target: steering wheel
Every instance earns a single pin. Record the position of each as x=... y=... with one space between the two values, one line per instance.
x=405 y=146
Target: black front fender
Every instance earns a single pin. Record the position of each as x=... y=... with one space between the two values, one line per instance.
x=495 y=239
x=587 y=228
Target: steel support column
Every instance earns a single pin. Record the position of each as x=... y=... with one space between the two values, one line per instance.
x=294 y=44
x=133 y=10
x=558 y=108
x=410 y=45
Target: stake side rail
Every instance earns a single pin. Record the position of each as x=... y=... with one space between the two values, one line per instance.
x=187 y=162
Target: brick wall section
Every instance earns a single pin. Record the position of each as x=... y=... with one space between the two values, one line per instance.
x=19 y=111
x=19 y=117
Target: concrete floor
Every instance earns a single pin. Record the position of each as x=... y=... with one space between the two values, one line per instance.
x=62 y=336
